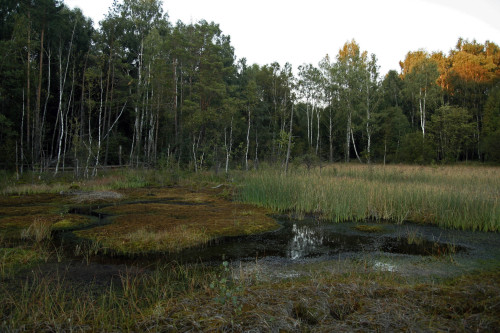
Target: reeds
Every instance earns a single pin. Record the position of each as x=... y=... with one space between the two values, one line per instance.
x=454 y=197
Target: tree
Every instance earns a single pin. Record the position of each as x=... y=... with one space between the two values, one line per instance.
x=390 y=126
x=473 y=70
x=140 y=18
x=420 y=72
x=491 y=126
x=453 y=131
x=349 y=64
x=372 y=99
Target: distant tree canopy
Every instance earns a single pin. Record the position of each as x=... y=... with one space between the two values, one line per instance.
x=142 y=91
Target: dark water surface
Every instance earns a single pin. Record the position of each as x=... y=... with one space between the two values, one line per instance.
x=312 y=239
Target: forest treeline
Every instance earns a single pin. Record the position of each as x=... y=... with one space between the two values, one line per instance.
x=143 y=91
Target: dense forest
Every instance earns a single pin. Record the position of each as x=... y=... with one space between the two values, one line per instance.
x=143 y=91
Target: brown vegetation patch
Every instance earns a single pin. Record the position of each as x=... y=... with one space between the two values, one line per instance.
x=193 y=218
x=369 y=228
x=27 y=210
x=183 y=194
x=28 y=199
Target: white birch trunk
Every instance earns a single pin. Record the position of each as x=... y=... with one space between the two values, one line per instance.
x=229 y=144
x=248 y=138
x=289 y=141
x=62 y=82
x=354 y=146
x=348 y=137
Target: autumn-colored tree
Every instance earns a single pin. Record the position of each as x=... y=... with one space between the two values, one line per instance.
x=473 y=70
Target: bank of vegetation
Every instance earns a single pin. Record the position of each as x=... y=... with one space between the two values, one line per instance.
x=462 y=197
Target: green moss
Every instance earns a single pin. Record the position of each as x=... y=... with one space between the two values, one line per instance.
x=71 y=221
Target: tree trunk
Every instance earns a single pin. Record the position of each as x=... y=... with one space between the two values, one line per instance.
x=28 y=90
x=368 y=125
x=289 y=141
x=307 y=118
x=330 y=134
x=348 y=138
x=318 y=115
x=256 y=159
x=38 y=140
x=66 y=141
x=42 y=126
x=354 y=146
x=22 y=137
x=228 y=145
x=248 y=138
x=62 y=81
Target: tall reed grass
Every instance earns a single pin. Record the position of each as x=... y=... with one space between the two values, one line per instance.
x=450 y=196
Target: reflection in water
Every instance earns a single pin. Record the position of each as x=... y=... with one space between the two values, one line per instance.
x=382 y=266
x=304 y=241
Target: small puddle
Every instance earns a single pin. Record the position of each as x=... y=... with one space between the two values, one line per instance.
x=88 y=211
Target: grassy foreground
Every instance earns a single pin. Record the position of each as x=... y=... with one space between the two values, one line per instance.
x=450 y=196
x=177 y=298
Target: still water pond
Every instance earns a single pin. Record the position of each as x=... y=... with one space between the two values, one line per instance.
x=310 y=239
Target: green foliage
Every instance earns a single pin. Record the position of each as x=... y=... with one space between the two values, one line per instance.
x=453 y=130
x=227 y=290
x=390 y=127
x=309 y=159
x=416 y=149
x=491 y=126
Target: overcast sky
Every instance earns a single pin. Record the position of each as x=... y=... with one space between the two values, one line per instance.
x=264 y=31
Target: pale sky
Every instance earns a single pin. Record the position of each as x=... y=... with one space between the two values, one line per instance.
x=264 y=31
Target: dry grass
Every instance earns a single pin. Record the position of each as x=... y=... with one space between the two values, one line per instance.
x=38 y=231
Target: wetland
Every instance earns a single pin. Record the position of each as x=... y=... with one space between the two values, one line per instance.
x=183 y=256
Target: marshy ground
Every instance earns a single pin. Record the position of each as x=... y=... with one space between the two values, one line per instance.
x=184 y=258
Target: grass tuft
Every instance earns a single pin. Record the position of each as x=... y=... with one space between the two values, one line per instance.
x=39 y=231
